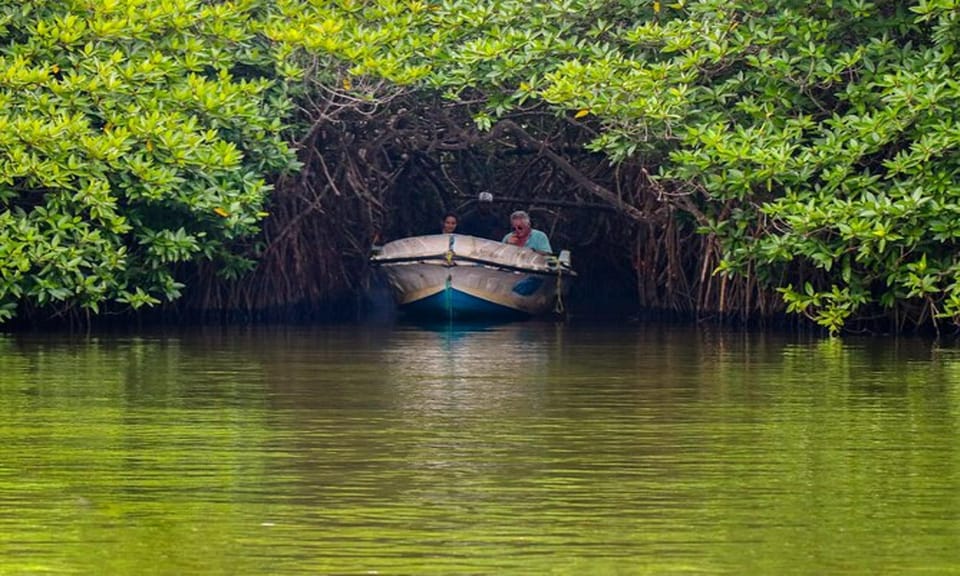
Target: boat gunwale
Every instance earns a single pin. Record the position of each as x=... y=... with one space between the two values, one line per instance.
x=442 y=260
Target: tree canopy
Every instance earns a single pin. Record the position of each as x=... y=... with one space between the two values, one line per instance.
x=812 y=146
x=134 y=135
x=816 y=143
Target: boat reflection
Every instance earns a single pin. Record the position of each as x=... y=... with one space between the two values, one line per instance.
x=449 y=369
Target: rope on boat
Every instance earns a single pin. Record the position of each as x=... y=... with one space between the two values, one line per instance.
x=558 y=308
x=554 y=263
x=449 y=253
x=448 y=296
x=448 y=292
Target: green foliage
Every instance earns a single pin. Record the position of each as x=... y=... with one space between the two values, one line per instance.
x=829 y=309
x=824 y=137
x=838 y=146
x=816 y=142
x=135 y=135
x=499 y=56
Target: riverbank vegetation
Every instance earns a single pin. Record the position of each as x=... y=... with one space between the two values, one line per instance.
x=737 y=159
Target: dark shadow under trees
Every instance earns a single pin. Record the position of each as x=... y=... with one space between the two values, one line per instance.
x=388 y=167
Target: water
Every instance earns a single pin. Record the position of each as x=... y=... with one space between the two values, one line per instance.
x=519 y=449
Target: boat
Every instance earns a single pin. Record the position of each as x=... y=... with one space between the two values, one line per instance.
x=460 y=277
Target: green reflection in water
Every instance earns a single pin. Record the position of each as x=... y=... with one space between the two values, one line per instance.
x=525 y=448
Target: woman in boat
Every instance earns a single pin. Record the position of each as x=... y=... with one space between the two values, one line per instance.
x=449 y=224
x=523 y=235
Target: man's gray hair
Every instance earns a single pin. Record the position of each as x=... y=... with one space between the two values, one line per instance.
x=520 y=215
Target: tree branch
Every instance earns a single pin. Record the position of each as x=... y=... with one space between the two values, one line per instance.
x=512 y=128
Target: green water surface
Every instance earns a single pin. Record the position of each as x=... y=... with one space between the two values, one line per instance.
x=519 y=449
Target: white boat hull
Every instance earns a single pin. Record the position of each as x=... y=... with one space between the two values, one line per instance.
x=458 y=276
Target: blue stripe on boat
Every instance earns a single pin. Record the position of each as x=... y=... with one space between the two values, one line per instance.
x=454 y=304
x=528 y=285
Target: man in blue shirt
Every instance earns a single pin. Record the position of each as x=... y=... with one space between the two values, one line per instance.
x=523 y=235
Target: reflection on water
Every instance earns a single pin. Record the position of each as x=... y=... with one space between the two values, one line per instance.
x=520 y=448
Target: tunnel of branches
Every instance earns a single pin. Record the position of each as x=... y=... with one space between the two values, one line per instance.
x=385 y=170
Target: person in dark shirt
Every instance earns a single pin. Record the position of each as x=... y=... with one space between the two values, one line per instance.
x=483 y=223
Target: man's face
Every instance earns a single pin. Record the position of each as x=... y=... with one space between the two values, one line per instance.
x=520 y=227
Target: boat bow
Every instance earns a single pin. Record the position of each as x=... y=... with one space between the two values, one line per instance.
x=460 y=276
